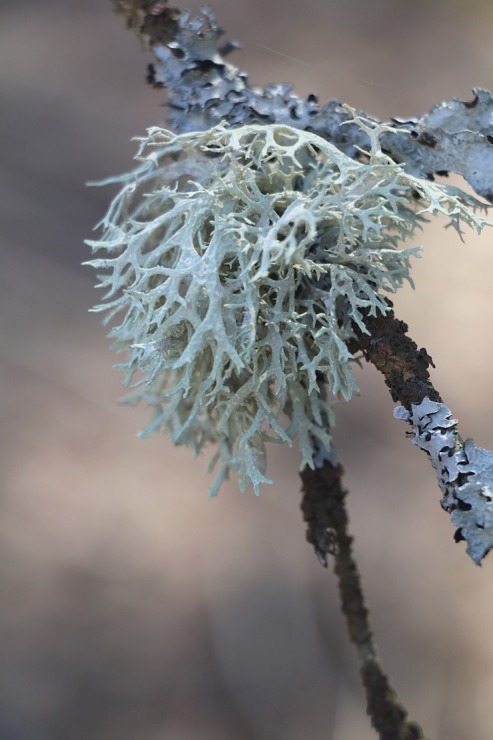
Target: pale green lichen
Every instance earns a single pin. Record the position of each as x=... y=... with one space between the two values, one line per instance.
x=240 y=261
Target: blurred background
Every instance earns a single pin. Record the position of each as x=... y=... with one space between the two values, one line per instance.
x=131 y=606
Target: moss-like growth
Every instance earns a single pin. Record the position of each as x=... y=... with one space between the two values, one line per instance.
x=240 y=261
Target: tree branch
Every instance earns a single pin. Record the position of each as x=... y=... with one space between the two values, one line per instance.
x=403 y=365
x=457 y=136
x=464 y=471
x=204 y=89
x=324 y=510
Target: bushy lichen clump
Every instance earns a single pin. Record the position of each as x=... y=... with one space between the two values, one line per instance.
x=240 y=261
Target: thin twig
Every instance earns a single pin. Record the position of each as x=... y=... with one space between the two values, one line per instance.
x=324 y=510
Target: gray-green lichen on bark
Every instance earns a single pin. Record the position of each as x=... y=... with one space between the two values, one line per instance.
x=204 y=89
x=464 y=473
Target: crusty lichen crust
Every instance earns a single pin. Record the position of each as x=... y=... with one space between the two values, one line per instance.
x=239 y=261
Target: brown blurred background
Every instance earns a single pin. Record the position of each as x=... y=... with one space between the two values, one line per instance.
x=131 y=607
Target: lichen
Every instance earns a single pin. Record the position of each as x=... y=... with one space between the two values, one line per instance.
x=240 y=261
x=464 y=472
